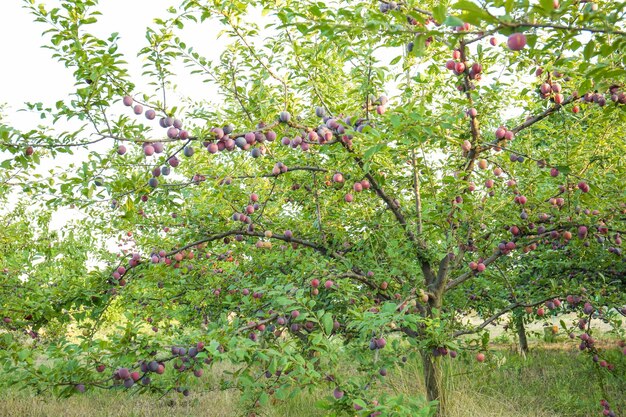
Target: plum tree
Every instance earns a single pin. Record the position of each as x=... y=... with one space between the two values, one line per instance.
x=460 y=206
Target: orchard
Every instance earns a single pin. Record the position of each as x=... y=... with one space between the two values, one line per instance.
x=363 y=178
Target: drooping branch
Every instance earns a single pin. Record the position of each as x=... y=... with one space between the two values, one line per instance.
x=476 y=149
x=529 y=157
x=268 y=175
x=251 y=326
x=474 y=131
x=470 y=274
x=52 y=146
x=317 y=247
x=269 y=197
x=544 y=114
x=367 y=88
x=358 y=277
x=481 y=36
x=501 y=313
x=13 y=175
x=498 y=253
x=467 y=86
x=218 y=236
x=562 y=27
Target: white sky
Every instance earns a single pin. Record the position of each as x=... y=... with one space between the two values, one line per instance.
x=32 y=75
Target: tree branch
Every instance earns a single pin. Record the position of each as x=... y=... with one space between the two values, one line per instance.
x=395 y=209
x=416 y=192
x=562 y=27
x=499 y=314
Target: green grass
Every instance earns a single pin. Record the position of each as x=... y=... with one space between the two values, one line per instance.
x=553 y=383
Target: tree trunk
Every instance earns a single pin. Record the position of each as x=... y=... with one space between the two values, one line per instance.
x=521 y=335
x=433 y=379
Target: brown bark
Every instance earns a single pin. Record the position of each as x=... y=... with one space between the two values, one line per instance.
x=433 y=380
x=521 y=335
x=433 y=371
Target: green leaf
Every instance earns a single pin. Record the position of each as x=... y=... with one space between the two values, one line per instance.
x=315 y=11
x=508 y=6
x=485 y=340
x=395 y=60
x=370 y=152
x=327 y=322
x=419 y=45
x=389 y=307
x=547 y=6
x=282 y=393
x=474 y=14
x=453 y=21
x=439 y=12
x=564 y=169
x=264 y=398
x=283 y=301
x=589 y=50
x=323 y=405
x=361 y=403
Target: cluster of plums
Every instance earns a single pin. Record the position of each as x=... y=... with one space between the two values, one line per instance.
x=358 y=186
x=515 y=42
x=377 y=343
x=607 y=409
x=502 y=133
x=551 y=90
x=226 y=140
x=160 y=257
x=587 y=342
x=174 y=126
x=315 y=283
x=128 y=378
x=616 y=96
x=184 y=359
x=477 y=266
x=386 y=7
x=223 y=139
x=458 y=67
x=443 y=351
x=293 y=322
x=582 y=232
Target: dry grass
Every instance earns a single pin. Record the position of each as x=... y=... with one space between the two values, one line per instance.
x=548 y=383
x=117 y=405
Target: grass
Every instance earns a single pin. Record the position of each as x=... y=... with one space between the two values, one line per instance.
x=554 y=383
